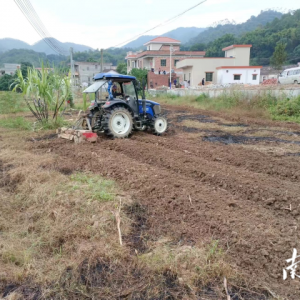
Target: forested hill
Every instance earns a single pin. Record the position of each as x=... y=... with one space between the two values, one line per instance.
x=183 y=34
x=18 y=56
x=113 y=56
x=213 y=33
x=285 y=30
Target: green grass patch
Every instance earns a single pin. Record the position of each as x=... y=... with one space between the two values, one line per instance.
x=15 y=123
x=54 y=124
x=94 y=187
x=264 y=105
x=12 y=103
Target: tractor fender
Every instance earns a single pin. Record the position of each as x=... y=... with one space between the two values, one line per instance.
x=111 y=104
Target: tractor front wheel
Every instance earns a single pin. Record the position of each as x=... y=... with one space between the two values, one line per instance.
x=160 y=125
x=118 y=122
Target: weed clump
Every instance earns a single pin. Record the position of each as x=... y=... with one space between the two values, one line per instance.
x=287 y=108
x=93 y=187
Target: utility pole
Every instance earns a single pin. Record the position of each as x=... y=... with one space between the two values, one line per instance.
x=72 y=73
x=171 y=49
x=101 y=60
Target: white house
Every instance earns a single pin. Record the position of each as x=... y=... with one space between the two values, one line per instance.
x=236 y=74
x=234 y=67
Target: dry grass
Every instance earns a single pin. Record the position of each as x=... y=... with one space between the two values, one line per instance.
x=193 y=265
x=50 y=221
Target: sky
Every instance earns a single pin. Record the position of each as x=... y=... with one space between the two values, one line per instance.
x=103 y=24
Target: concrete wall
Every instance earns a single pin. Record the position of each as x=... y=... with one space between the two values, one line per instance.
x=199 y=66
x=10 y=69
x=241 y=54
x=225 y=76
x=154 y=46
x=247 y=94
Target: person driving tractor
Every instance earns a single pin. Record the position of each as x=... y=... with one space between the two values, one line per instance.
x=115 y=93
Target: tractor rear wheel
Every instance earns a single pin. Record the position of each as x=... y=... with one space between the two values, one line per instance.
x=118 y=122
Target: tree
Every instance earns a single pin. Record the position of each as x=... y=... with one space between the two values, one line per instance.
x=24 y=68
x=122 y=68
x=198 y=47
x=5 y=82
x=279 y=56
x=140 y=74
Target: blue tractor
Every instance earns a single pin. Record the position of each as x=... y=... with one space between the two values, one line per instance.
x=117 y=110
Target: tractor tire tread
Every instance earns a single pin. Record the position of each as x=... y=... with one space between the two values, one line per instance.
x=107 y=117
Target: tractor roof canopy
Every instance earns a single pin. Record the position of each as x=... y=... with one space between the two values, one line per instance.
x=115 y=77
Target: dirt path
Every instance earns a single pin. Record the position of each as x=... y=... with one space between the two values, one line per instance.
x=195 y=189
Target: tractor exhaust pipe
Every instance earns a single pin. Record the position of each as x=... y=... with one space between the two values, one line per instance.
x=143 y=96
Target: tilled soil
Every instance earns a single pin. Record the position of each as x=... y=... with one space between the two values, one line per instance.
x=195 y=188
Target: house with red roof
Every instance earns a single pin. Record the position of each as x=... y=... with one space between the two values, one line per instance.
x=157 y=58
x=163 y=55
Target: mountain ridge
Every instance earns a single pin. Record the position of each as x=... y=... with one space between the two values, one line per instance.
x=7 y=44
x=183 y=34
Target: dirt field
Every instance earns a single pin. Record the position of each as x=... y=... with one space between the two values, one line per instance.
x=211 y=177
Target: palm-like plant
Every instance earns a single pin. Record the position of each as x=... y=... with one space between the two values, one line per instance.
x=43 y=90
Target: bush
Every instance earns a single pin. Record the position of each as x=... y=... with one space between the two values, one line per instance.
x=202 y=98
x=287 y=107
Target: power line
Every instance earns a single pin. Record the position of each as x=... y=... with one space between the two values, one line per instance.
x=36 y=23
x=162 y=24
x=26 y=13
x=54 y=42
x=41 y=28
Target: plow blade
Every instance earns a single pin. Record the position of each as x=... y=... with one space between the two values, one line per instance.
x=77 y=136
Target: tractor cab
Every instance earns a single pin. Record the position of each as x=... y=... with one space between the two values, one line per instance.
x=116 y=92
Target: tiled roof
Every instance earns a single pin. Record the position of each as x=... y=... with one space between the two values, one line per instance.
x=163 y=39
x=131 y=56
x=167 y=53
x=240 y=67
x=236 y=46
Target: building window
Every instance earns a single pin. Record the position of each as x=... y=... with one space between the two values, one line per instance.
x=163 y=62
x=89 y=79
x=175 y=62
x=87 y=68
x=254 y=76
x=184 y=77
x=129 y=63
x=237 y=77
x=132 y=64
x=209 y=76
x=96 y=67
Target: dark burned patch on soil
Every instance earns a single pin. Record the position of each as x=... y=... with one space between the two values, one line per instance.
x=233 y=125
x=61 y=168
x=7 y=182
x=27 y=292
x=114 y=279
x=137 y=239
x=200 y=118
x=293 y=154
x=240 y=139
